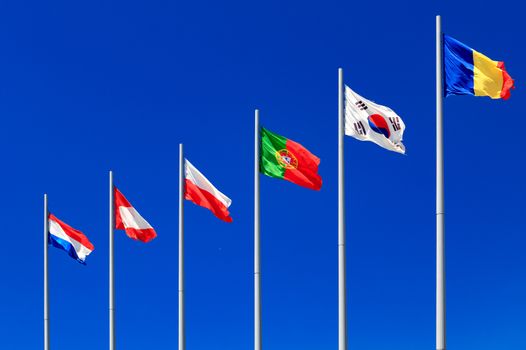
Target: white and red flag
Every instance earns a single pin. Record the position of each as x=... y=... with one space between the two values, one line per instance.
x=128 y=219
x=201 y=191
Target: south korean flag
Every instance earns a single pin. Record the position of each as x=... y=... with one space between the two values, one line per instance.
x=368 y=121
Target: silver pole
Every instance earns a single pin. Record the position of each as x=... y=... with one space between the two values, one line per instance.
x=257 y=271
x=440 y=253
x=111 y=272
x=342 y=298
x=182 y=340
x=46 y=290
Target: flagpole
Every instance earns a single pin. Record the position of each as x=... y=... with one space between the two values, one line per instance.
x=342 y=298
x=46 y=289
x=182 y=339
x=111 y=271
x=440 y=247
x=257 y=272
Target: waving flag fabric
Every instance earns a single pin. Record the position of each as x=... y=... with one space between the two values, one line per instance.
x=288 y=160
x=201 y=191
x=368 y=121
x=65 y=237
x=128 y=219
x=468 y=72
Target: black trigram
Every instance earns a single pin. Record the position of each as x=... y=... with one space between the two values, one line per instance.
x=361 y=106
x=395 y=122
x=360 y=130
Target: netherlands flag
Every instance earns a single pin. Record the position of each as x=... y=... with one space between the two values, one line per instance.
x=65 y=237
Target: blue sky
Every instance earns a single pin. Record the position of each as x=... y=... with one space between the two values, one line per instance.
x=92 y=86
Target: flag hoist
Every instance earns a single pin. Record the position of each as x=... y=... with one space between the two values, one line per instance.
x=279 y=157
x=257 y=260
x=64 y=237
x=111 y=274
x=122 y=216
x=181 y=328
x=195 y=187
x=440 y=256
x=460 y=70
x=365 y=121
x=46 y=288
x=342 y=286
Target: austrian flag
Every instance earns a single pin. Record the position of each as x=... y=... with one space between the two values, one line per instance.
x=201 y=191
x=128 y=219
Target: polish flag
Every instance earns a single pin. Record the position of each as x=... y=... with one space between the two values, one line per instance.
x=128 y=219
x=65 y=237
x=200 y=191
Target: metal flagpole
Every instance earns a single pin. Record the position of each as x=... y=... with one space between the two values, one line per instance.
x=182 y=340
x=111 y=272
x=46 y=290
x=440 y=252
x=257 y=272
x=342 y=299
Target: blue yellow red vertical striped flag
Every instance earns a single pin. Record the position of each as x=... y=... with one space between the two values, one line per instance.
x=468 y=72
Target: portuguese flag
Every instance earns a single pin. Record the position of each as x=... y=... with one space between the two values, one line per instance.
x=288 y=160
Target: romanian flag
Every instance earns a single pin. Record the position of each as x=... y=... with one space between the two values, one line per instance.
x=468 y=72
x=288 y=160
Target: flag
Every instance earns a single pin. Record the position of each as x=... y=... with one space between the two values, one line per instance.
x=201 y=191
x=468 y=72
x=285 y=159
x=128 y=219
x=65 y=237
x=368 y=121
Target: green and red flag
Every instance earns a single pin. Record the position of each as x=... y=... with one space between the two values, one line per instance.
x=288 y=160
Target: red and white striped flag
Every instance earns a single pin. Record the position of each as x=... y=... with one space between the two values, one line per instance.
x=128 y=219
x=201 y=191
